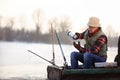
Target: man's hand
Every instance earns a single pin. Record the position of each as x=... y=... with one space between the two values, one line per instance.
x=77 y=34
x=77 y=45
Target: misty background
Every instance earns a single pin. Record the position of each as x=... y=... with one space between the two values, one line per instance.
x=8 y=31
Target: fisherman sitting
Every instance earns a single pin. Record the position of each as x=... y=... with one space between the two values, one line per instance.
x=95 y=49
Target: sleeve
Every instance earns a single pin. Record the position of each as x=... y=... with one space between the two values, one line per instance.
x=82 y=35
x=98 y=44
x=82 y=49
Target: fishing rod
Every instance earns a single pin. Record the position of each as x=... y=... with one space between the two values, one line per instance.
x=43 y=58
x=65 y=62
x=53 y=51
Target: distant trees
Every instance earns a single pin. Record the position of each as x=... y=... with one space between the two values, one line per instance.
x=8 y=33
x=112 y=36
x=38 y=17
x=60 y=24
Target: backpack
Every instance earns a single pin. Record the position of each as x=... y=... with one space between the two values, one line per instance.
x=117 y=58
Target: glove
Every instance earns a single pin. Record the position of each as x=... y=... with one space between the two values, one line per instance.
x=77 y=45
x=77 y=34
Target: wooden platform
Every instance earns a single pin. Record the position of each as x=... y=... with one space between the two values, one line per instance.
x=83 y=74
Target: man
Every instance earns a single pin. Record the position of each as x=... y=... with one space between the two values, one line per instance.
x=95 y=49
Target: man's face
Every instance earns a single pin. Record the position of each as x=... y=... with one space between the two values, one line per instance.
x=92 y=29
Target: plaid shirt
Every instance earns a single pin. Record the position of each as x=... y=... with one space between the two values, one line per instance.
x=98 y=43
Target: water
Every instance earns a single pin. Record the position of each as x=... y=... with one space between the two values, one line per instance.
x=17 y=63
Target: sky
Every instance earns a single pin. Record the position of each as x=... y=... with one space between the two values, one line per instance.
x=78 y=10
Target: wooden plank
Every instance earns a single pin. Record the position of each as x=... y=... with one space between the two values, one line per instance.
x=92 y=71
x=55 y=73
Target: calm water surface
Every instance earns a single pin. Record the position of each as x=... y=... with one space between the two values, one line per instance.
x=17 y=63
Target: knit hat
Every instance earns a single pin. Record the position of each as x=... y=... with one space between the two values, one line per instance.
x=94 y=22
